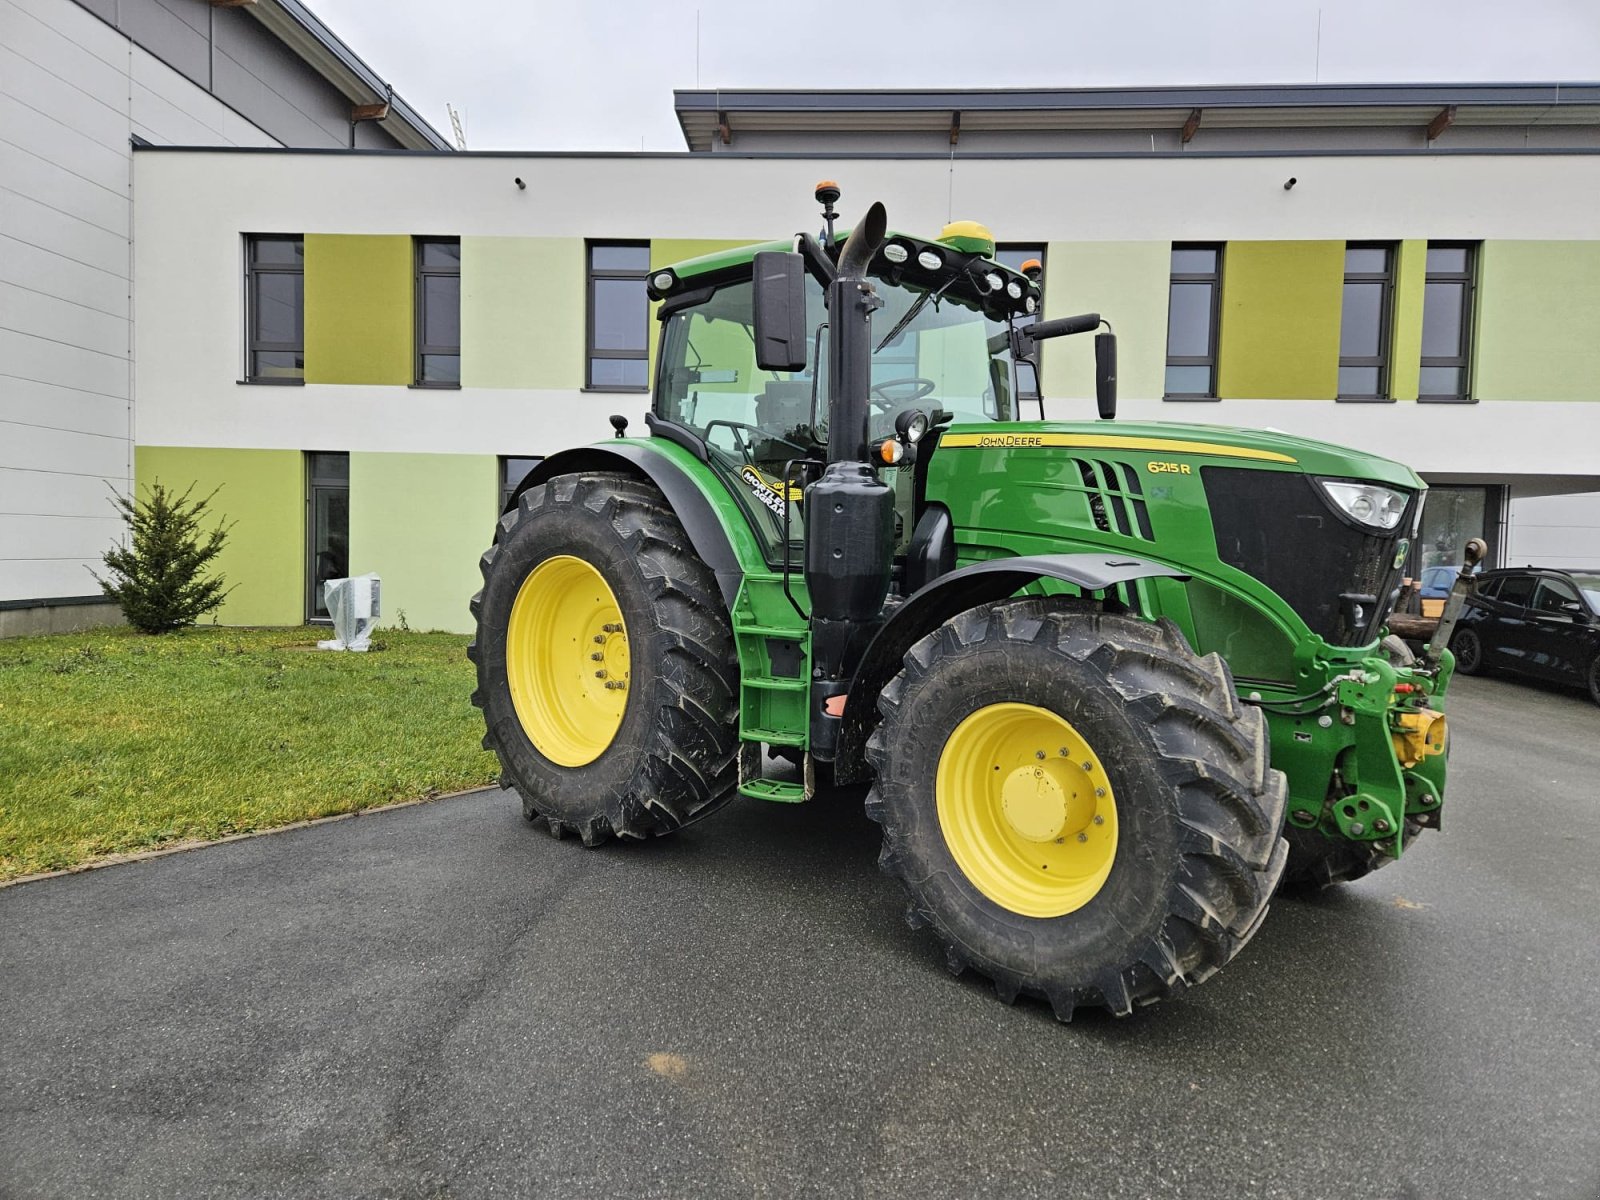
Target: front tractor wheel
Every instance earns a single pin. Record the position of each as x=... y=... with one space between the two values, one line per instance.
x=606 y=667
x=1076 y=803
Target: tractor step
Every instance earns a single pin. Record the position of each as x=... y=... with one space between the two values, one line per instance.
x=776 y=685
x=777 y=790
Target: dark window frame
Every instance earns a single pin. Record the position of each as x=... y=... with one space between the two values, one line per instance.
x=1214 y=324
x=590 y=352
x=1462 y=361
x=253 y=346
x=1383 y=360
x=420 y=348
x=1027 y=250
x=509 y=485
x=314 y=484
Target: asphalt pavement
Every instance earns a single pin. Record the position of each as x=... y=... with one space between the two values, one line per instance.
x=442 y=1001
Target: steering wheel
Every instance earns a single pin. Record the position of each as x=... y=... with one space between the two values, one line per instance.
x=920 y=387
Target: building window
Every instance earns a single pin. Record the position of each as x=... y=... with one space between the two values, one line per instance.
x=327 y=527
x=1013 y=255
x=438 y=334
x=512 y=472
x=1447 y=323
x=1193 y=301
x=619 y=316
x=1364 y=322
x=275 y=308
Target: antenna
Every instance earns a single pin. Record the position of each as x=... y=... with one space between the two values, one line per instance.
x=455 y=126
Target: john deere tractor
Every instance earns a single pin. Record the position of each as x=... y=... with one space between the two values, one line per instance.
x=1110 y=683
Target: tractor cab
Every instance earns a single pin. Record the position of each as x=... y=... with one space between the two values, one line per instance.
x=944 y=348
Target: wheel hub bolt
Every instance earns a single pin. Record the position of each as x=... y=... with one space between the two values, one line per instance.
x=598 y=656
x=599 y=674
x=1063 y=752
x=599 y=639
x=1100 y=792
x=1099 y=820
x=1088 y=766
x=1083 y=837
x=1039 y=754
x=612 y=628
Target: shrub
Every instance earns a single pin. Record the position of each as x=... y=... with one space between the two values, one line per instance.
x=159 y=579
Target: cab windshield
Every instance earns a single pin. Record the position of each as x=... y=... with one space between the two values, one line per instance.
x=930 y=351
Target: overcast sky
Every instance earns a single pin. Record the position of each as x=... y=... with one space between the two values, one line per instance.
x=541 y=75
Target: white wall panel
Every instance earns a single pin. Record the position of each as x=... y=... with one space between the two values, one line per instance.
x=47 y=227
x=27 y=357
x=28 y=446
x=49 y=577
x=61 y=90
x=56 y=494
x=52 y=406
x=28 y=174
x=27 y=311
x=1555 y=531
x=44 y=271
x=70 y=44
x=46 y=537
x=66 y=142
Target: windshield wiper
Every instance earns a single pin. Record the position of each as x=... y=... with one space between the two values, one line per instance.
x=911 y=313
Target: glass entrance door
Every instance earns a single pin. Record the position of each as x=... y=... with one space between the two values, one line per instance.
x=327 y=527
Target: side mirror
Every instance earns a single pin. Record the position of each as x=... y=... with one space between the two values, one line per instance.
x=1105 y=374
x=780 y=311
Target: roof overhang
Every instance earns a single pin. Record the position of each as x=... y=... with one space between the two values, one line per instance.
x=298 y=28
x=705 y=115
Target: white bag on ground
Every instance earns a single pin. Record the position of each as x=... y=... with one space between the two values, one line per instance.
x=353 y=605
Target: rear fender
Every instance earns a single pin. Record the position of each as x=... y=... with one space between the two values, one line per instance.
x=933 y=605
x=689 y=504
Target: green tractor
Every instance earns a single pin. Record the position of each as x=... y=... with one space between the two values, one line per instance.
x=1110 y=683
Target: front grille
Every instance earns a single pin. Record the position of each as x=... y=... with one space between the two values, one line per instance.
x=1277 y=527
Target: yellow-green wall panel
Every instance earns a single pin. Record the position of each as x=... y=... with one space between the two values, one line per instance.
x=1279 y=333
x=420 y=521
x=263 y=496
x=1405 y=339
x=1538 y=326
x=358 y=308
x=522 y=312
x=1126 y=283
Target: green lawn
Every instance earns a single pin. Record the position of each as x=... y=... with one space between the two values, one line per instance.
x=112 y=741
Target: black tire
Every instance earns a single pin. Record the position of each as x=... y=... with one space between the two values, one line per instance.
x=1317 y=862
x=674 y=756
x=1198 y=807
x=1467 y=646
x=1594 y=678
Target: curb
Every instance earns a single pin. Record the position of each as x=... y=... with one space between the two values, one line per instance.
x=183 y=847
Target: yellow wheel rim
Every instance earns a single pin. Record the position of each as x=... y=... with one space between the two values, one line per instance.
x=1026 y=809
x=567 y=661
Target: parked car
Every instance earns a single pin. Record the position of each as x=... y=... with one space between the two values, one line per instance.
x=1436 y=581
x=1535 y=621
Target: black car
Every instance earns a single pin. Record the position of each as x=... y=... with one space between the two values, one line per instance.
x=1535 y=621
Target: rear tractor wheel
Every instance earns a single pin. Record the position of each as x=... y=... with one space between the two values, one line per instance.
x=1076 y=803
x=606 y=668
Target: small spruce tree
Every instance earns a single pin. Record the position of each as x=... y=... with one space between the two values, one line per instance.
x=158 y=578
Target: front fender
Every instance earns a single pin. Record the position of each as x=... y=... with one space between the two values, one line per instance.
x=933 y=605
x=688 y=502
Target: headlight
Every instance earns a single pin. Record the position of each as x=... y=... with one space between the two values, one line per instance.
x=1366 y=503
x=929 y=261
